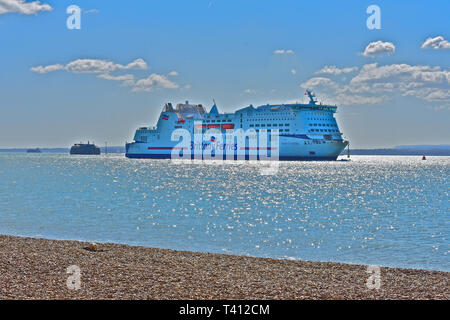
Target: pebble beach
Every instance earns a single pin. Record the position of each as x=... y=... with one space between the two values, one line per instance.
x=37 y=269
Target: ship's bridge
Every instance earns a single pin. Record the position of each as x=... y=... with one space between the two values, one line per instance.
x=186 y=110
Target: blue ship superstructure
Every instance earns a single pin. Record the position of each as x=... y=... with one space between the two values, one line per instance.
x=306 y=131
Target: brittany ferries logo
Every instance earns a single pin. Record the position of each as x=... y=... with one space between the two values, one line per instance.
x=259 y=148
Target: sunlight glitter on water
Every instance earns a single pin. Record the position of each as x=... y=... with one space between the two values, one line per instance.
x=375 y=210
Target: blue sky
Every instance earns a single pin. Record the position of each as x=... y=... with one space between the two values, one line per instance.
x=60 y=86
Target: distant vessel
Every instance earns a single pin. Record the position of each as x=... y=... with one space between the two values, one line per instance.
x=306 y=131
x=35 y=150
x=84 y=148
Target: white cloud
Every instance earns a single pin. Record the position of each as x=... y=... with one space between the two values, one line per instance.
x=378 y=47
x=124 y=77
x=91 y=11
x=104 y=68
x=136 y=64
x=351 y=99
x=429 y=94
x=20 y=6
x=440 y=107
x=401 y=73
x=423 y=82
x=318 y=82
x=335 y=70
x=50 y=68
x=282 y=51
x=376 y=84
x=387 y=86
x=154 y=81
x=293 y=71
x=91 y=66
x=438 y=95
x=436 y=43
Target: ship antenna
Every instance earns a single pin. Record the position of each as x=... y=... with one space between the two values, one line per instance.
x=214 y=101
x=311 y=96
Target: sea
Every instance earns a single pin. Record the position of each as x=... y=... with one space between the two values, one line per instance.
x=376 y=210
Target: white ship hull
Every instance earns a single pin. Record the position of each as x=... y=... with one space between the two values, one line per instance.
x=290 y=149
x=303 y=131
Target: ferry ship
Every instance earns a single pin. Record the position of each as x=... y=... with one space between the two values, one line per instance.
x=84 y=149
x=305 y=131
x=34 y=150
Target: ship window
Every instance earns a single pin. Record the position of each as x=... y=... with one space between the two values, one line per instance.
x=207 y=121
x=252 y=125
x=274 y=124
x=269 y=125
x=281 y=130
x=177 y=127
x=263 y=125
x=287 y=124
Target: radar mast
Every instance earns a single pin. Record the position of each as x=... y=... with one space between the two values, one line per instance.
x=311 y=96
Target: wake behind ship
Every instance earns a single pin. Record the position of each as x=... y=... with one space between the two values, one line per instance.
x=306 y=131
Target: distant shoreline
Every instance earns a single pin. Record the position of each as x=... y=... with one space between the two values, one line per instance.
x=37 y=269
x=397 y=152
x=420 y=150
x=112 y=149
